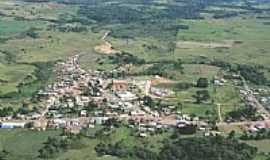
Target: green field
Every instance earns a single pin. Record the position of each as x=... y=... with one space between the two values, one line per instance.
x=23 y=144
x=13 y=75
x=10 y=26
x=262 y=145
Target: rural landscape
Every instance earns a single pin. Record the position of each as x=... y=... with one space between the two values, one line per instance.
x=135 y=79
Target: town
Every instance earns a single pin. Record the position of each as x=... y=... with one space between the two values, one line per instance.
x=82 y=99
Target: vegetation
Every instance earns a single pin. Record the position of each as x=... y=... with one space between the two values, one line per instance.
x=55 y=145
x=252 y=74
x=207 y=148
x=188 y=42
x=202 y=83
x=202 y=95
x=23 y=144
x=260 y=135
x=248 y=113
x=189 y=149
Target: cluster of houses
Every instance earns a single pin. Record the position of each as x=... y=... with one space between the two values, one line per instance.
x=219 y=81
x=259 y=126
x=264 y=97
x=256 y=98
x=82 y=99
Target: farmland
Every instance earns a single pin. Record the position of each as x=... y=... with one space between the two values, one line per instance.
x=202 y=52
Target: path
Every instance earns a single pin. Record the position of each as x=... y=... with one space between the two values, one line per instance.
x=106 y=47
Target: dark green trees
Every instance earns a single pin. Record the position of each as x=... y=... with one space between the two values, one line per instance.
x=212 y=148
x=202 y=83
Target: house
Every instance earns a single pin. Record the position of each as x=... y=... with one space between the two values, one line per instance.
x=126 y=96
x=100 y=120
x=35 y=116
x=160 y=92
x=260 y=125
x=73 y=129
x=218 y=82
x=58 y=123
x=137 y=113
x=143 y=135
x=182 y=123
x=41 y=124
x=9 y=125
x=83 y=113
x=212 y=133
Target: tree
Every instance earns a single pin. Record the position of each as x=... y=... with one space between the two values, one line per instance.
x=180 y=105
x=3 y=155
x=231 y=135
x=24 y=109
x=188 y=129
x=7 y=111
x=206 y=148
x=202 y=95
x=179 y=65
x=248 y=112
x=148 y=101
x=202 y=83
x=29 y=125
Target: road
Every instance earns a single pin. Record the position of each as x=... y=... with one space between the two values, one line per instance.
x=219 y=113
x=244 y=123
x=253 y=99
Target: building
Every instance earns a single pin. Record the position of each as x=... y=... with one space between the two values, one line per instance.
x=9 y=125
x=100 y=120
x=159 y=92
x=126 y=96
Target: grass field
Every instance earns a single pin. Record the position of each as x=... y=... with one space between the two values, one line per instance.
x=126 y=134
x=13 y=75
x=10 y=26
x=251 y=32
x=262 y=145
x=245 y=34
x=199 y=110
x=31 y=11
x=23 y=144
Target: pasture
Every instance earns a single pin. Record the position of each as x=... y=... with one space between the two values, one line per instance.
x=23 y=144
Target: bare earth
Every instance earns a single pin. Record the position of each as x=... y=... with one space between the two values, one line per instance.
x=105 y=48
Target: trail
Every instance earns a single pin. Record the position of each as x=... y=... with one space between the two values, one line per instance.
x=105 y=35
x=219 y=113
x=106 y=47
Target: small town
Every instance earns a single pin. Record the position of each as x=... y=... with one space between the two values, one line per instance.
x=134 y=80
x=82 y=99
